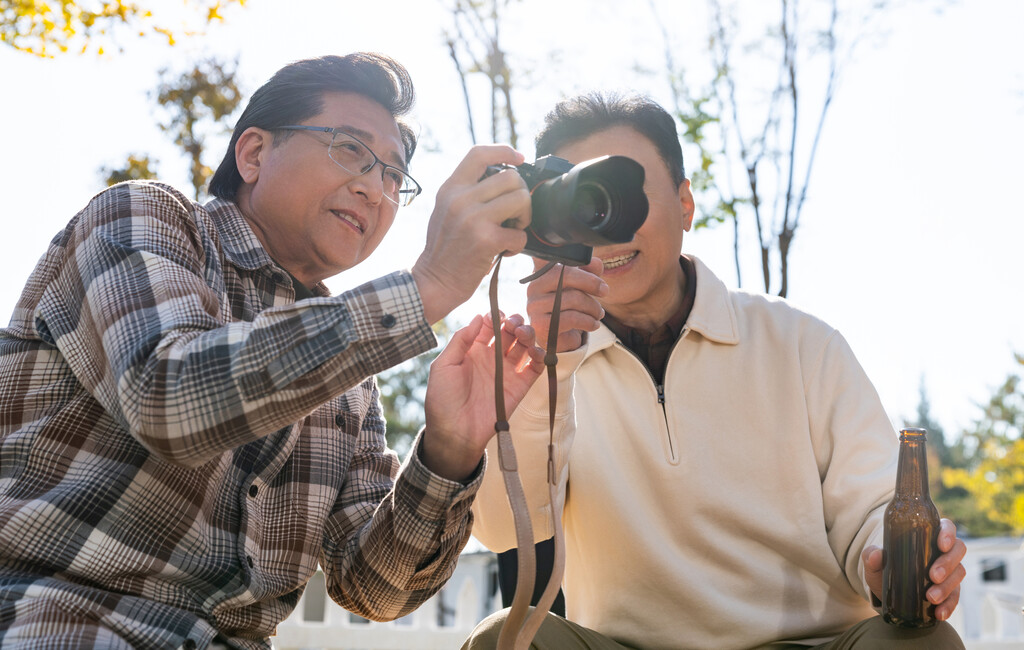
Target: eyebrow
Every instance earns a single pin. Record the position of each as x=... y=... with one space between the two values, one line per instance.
x=369 y=137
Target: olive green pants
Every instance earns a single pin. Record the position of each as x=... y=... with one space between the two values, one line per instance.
x=556 y=633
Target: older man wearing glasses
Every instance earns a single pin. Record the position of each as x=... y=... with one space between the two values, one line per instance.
x=189 y=423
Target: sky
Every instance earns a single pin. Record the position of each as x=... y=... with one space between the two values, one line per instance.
x=913 y=232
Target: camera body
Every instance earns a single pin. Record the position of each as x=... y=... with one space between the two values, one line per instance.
x=576 y=207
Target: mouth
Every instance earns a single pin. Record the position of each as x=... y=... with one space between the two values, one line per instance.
x=619 y=260
x=350 y=218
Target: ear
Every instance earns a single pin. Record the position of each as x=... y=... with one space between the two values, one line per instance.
x=686 y=201
x=249 y=150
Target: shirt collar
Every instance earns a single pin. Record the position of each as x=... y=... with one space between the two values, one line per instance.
x=713 y=315
x=241 y=246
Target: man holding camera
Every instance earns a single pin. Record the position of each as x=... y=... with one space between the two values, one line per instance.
x=723 y=459
x=190 y=424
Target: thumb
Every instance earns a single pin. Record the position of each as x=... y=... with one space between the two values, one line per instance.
x=872 y=557
x=460 y=343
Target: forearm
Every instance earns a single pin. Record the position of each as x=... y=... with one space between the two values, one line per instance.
x=388 y=550
x=189 y=387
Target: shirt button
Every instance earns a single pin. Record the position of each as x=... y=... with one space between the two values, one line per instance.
x=339 y=419
x=388 y=321
x=253 y=491
x=277 y=277
x=189 y=644
x=248 y=559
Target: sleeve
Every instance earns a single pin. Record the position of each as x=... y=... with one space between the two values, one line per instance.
x=858 y=451
x=131 y=304
x=494 y=525
x=391 y=543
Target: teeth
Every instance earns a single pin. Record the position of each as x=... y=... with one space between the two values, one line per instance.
x=350 y=220
x=618 y=260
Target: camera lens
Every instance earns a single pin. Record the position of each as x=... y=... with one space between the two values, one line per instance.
x=591 y=205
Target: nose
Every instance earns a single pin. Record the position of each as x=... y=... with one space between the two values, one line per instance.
x=370 y=184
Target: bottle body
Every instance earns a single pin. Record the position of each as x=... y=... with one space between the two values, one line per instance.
x=911 y=532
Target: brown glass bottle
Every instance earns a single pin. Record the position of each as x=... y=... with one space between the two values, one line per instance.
x=911 y=534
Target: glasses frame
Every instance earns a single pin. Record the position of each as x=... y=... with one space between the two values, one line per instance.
x=405 y=196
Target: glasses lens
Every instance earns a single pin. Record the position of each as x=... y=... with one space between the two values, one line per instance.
x=354 y=157
x=351 y=154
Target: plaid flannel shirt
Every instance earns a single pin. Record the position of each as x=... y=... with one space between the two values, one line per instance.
x=181 y=443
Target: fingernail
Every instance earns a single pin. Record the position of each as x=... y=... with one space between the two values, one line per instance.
x=940 y=573
x=933 y=595
x=603 y=289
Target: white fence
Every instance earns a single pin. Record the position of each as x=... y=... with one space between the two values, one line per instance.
x=989 y=616
x=441 y=623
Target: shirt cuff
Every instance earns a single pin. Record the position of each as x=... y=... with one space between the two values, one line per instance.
x=434 y=497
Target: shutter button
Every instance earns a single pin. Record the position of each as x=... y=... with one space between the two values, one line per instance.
x=388 y=321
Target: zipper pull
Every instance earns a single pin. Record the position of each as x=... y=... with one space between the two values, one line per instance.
x=661 y=394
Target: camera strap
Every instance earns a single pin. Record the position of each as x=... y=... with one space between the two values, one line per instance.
x=521 y=625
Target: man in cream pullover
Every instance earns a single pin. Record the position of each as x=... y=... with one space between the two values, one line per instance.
x=723 y=459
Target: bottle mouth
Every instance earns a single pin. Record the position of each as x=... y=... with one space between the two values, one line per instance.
x=913 y=433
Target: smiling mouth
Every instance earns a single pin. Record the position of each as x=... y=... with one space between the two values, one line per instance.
x=350 y=219
x=619 y=260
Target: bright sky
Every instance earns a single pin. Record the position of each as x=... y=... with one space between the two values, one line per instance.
x=911 y=240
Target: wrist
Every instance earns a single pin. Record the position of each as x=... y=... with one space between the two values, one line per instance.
x=447 y=460
x=430 y=296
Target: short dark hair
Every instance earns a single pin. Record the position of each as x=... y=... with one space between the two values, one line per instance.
x=296 y=93
x=579 y=117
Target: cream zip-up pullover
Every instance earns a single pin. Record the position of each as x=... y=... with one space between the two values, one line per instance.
x=725 y=509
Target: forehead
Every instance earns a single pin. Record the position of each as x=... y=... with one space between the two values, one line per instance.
x=365 y=119
x=615 y=141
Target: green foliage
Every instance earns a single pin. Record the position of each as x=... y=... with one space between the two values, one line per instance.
x=41 y=27
x=137 y=167
x=992 y=471
x=201 y=97
x=402 y=393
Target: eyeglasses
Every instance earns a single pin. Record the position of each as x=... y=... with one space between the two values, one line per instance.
x=349 y=153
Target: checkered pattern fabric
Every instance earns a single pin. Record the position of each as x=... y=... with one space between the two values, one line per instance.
x=181 y=443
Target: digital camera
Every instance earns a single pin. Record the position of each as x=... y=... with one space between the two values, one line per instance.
x=576 y=207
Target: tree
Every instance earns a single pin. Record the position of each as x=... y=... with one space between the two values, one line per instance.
x=201 y=97
x=993 y=449
x=39 y=27
x=477 y=31
x=758 y=122
x=953 y=501
x=137 y=167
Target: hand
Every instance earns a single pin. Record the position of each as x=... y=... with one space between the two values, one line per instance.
x=473 y=222
x=581 y=311
x=946 y=572
x=460 y=392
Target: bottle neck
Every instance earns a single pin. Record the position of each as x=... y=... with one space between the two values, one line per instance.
x=912 y=471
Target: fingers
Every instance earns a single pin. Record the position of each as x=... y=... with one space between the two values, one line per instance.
x=480 y=157
x=518 y=343
x=947 y=592
x=460 y=342
x=581 y=310
x=466 y=231
x=947 y=536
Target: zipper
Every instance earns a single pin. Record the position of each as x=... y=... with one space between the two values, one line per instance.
x=660 y=390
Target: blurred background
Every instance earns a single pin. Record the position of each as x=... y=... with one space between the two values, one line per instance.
x=884 y=140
